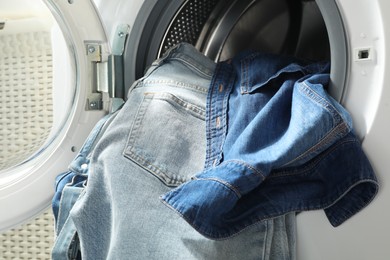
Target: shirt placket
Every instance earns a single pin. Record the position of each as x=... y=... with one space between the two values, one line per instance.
x=216 y=114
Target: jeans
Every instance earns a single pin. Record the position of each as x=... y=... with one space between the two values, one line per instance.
x=69 y=186
x=155 y=143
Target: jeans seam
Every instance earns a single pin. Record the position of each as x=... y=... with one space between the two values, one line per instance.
x=175 y=83
x=195 y=110
x=191 y=66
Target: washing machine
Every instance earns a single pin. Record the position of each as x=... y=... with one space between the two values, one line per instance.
x=95 y=49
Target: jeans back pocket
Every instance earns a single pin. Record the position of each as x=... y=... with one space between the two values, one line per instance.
x=168 y=138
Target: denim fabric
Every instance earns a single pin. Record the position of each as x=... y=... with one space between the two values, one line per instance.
x=276 y=143
x=66 y=245
x=77 y=174
x=69 y=186
x=156 y=143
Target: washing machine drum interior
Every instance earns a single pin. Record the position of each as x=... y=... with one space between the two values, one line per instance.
x=220 y=29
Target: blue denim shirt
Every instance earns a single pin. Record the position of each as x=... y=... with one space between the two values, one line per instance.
x=276 y=143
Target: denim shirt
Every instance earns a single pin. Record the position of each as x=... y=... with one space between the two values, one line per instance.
x=276 y=143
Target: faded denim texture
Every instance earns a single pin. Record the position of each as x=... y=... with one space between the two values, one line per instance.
x=276 y=143
x=158 y=142
x=69 y=186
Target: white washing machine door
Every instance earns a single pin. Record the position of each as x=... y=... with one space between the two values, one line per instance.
x=79 y=49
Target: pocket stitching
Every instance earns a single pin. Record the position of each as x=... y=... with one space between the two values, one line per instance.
x=170 y=179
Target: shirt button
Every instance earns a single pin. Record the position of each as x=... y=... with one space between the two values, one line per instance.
x=218 y=122
x=215 y=162
x=84 y=166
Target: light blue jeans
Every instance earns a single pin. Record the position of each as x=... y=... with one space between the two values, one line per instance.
x=155 y=143
x=69 y=186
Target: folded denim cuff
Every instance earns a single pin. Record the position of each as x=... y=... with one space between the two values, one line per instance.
x=207 y=201
x=359 y=195
x=205 y=216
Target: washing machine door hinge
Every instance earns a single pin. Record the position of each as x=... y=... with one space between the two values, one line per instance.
x=108 y=89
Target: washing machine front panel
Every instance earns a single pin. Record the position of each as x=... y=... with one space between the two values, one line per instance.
x=367 y=97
